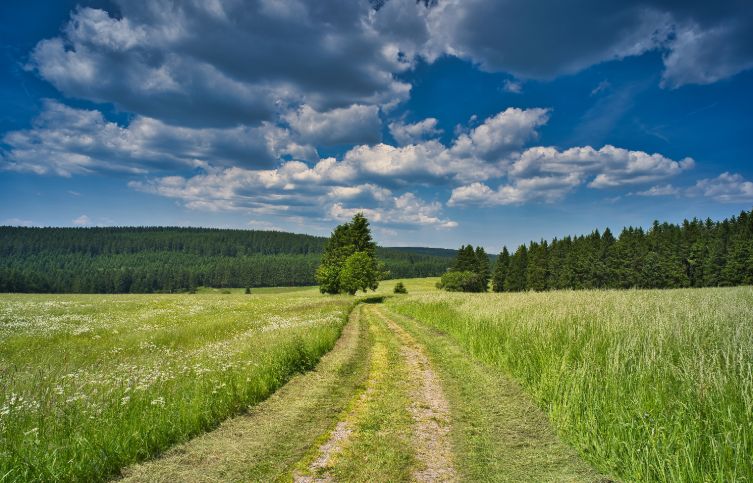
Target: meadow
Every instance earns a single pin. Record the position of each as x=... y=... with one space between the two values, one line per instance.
x=91 y=383
x=648 y=385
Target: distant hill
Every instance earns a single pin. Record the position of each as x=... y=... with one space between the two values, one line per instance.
x=165 y=259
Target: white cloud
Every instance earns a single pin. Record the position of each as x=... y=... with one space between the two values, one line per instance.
x=82 y=220
x=414 y=133
x=725 y=188
x=278 y=192
x=547 y=174
x=406 y=209
x=513 y=86
x=481 y=153
x=611 y=166
x=543 y=188
x=67 y=141
x=660 y=190
x=357 y=124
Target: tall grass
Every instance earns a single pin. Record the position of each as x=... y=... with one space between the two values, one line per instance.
x=91 y=383
x=648 y=385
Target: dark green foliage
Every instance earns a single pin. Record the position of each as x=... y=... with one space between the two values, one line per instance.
x=482 y=261
x=694 y=254
x=454 y=281
x=469 y=273
x=400 y=288
x=500 y=270
x=516 y=275
x=349 y=262
x=247 y=291
x=158 y=259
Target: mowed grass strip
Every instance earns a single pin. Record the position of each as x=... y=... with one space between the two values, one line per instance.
x=266 y=443
x=92 y=383
x=647 y=385
x=498 y=432
x=378 y=444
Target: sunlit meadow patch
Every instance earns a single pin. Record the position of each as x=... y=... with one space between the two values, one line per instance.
x=92 y=382
x=651 y=385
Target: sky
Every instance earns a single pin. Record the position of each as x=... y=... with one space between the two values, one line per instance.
x=445 y=121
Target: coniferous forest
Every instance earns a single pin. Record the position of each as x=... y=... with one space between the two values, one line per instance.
x=159 y=259
x=693 y=254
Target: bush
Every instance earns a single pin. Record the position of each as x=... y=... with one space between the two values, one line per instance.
x=462 y=282
x=400 y=288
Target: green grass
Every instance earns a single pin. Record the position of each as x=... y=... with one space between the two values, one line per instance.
x=498 y=433
x=380 y=448
x=265 y=443
x=647 y=385
x=91 y=383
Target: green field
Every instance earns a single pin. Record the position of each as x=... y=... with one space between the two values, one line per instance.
x=554 y=386
x=94 y=382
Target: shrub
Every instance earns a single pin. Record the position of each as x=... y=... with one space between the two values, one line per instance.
x=462 y=282
x=400 y=288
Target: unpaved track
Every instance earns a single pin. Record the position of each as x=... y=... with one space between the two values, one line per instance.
x=266 y=443
x=430 y=411
x=427 y=405
x=376 y=409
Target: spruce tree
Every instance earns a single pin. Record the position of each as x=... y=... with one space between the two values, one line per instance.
x=516 y=275
x=500 y=270
x=482 y=262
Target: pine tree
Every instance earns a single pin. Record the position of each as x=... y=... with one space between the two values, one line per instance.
x=516 y=275
x=500 y=270
x=482 y=262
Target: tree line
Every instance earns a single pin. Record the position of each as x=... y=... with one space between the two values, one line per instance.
x=694 y=253
x=166 y=259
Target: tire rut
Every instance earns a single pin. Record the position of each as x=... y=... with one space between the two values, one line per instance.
x=430 y=410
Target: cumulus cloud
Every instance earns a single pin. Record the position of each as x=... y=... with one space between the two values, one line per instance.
x=702 y=41
x=480 y=153
x=224 y=63
x=82 y=220
x=66 y=141
x=725 y=188
x=406 y=209
x=548 y=174
x=356 y=124
x=295 y=190
x=660 y=190
x=416 y=132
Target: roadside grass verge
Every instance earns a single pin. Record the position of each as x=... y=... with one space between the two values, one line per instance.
x=498 y=432
x=266 y=443
x=92 y=383
x=647 y=385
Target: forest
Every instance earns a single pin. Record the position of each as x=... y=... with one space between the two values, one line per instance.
x=694 y=253
x=168 y=259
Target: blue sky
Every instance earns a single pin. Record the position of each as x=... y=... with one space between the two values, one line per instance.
x=462 y=121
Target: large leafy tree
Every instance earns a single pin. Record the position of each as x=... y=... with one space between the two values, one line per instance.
x=349 y=262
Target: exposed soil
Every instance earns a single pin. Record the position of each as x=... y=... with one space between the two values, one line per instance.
x=430 y=410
